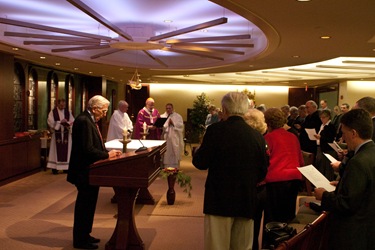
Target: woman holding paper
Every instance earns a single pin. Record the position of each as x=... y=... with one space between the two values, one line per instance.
x=325 y=135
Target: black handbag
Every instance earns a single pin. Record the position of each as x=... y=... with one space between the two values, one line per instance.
x=277 y=232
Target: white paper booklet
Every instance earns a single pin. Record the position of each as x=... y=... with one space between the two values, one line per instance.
x=330 y=157
x=316 y=178
x=311 y=132
x=336 y=147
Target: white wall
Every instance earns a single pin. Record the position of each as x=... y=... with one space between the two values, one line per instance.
x=183 y=95
x=355 y=90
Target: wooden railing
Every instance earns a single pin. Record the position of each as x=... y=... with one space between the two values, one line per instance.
x=312 y=237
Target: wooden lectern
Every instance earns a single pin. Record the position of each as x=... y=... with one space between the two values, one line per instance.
x=127 y=174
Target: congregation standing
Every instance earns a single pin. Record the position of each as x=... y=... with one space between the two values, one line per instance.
x=254 y=171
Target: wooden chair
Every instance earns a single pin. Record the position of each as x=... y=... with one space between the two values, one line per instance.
x=308 y=159
x=312 y=237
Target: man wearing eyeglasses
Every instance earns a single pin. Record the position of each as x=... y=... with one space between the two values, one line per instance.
x=87 y=148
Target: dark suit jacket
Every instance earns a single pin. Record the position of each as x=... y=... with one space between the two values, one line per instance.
x=327 y=135
x=352 y=205
x=87 y=148
x=311 y=121
x=236 y=158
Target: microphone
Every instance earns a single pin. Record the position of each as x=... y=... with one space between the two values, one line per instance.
x=143 y=148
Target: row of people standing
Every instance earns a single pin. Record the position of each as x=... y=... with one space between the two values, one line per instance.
x=326 y=131
x=254 y=170
x=232 y=168
x=277 y=193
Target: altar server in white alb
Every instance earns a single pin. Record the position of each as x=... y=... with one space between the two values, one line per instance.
x=173 y=133
x=60 y=121
x=119 y=122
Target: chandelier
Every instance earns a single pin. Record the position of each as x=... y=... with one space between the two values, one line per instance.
x=135 y=82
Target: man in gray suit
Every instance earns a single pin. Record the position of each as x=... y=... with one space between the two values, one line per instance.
x=352 y=205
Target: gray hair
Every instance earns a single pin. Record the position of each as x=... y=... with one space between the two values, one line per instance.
x=122 y=103
x=313 y=104
x=235 y=103
x=97 y=101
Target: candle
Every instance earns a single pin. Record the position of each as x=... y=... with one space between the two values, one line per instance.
x=144 y=127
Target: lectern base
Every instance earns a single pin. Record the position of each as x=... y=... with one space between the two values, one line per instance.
x=125 y=235
x=145 y=197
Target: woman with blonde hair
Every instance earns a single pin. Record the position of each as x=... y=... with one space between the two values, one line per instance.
x=255 y=118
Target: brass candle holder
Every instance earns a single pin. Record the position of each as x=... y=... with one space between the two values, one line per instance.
x=125 y=140
x=144 y=135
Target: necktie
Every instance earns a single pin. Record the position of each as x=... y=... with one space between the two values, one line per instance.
x=100 y=134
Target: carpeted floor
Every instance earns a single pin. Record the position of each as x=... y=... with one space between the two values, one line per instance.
x=37 y=213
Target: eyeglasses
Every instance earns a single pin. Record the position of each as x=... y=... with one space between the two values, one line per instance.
x=103 y=111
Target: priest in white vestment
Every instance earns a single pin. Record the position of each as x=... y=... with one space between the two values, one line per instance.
x=60 y=121
x=119 y=122
x=173 y=133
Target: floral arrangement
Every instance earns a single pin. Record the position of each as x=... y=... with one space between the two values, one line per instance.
x=183 y=180
x=250 y=95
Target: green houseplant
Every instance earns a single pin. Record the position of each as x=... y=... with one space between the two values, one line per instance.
x=197 y=117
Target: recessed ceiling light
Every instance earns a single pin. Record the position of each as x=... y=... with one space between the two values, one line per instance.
x=75 y=68
x=295 y=56
x=42 y=57
x=325 y=37
x=57 y=64
x=90 y=72
x=15 y=49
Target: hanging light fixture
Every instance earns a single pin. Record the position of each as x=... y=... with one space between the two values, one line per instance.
x=135 y=82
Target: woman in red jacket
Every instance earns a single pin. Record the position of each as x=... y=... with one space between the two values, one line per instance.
x=283 y=178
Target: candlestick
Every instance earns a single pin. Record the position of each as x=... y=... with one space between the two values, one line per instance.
x=145 y=127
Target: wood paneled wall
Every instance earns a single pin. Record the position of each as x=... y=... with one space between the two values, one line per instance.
x=6 y=96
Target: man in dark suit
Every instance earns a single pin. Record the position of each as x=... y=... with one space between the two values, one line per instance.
x=236 y=158
x=87 y=148
x=368 y=103
x=352 y=205
x=312 y=120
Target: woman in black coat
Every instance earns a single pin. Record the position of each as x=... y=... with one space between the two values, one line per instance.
x=326 y=135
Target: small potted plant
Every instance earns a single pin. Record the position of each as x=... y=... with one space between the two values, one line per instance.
x=174 y=175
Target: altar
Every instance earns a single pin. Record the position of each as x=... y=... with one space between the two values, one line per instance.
x=133 y=145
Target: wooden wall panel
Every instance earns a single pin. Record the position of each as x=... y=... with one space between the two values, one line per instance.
x=6 y=96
